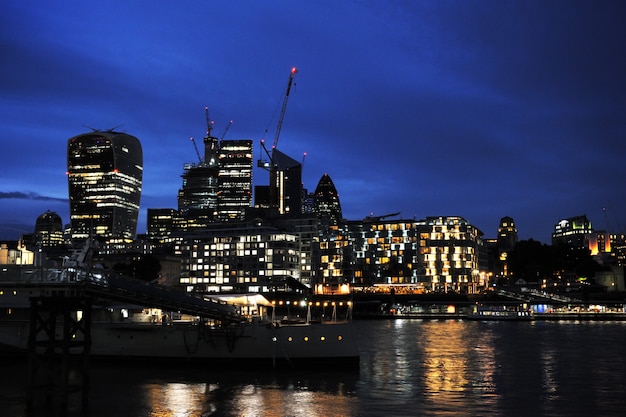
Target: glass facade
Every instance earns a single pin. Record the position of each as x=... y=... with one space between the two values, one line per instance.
x=235 y=179
x=104 y=171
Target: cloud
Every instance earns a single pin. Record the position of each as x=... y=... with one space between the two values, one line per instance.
x=17 y=195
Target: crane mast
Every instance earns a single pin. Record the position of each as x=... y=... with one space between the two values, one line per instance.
x=284 y=107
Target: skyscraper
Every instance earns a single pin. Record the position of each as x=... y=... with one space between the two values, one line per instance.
x=326 y=204
x=197 y=198
x=49 y=230
x=235 y=179
x=284 y=192
x=104 y=172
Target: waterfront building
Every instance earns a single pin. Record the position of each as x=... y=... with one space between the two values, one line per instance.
x=434 y=254
x=235 y=179
x=104 y=171
x=239 y=257
x=450 y=249
x=384 y=253
x=49 y=230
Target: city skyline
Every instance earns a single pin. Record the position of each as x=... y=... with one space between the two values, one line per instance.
x=480 y=110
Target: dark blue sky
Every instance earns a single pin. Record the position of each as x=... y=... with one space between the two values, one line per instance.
x=479 y=109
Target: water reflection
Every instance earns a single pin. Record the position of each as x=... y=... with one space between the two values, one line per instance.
x=408 y=367
x=197 y=393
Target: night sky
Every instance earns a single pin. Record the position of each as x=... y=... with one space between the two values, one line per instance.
x=479 y=109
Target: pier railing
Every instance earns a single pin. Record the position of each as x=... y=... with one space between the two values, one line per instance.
x=104 y=284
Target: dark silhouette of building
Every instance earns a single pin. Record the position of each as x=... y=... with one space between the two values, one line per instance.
x=104 y=171
x=285 y=189
x=326 y=205
x=49 y=230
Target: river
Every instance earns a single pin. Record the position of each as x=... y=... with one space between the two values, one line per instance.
x=408 y=368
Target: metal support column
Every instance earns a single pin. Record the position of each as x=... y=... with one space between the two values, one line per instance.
x=58 y=350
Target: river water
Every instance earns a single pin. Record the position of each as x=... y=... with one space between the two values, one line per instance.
x=408 y=368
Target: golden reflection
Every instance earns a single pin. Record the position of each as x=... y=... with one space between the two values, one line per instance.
x=178 y=399
x=293 y=400
x=445 y=368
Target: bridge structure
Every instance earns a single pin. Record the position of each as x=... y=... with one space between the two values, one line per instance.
x=60 y=303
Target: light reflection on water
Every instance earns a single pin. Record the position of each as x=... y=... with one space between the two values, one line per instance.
x=408 y=367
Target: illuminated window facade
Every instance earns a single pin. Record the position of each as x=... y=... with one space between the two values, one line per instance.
x=160 y=225
x=49 y=230
x=572 y=231
x=104 y=171
x=235 y=179
x=449 y=253
x=434 y=254
x=239 y=259
x=197 y=198
x=384 y=252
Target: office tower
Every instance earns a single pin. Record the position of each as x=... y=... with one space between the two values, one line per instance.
x=326 y=203
x=104 y=171
x=572 y=231
x=285 y=189
x=161 y=224
x=507 y=234
x=197 y=198
x=235 y=179
x=506 y=241
x=49 y=230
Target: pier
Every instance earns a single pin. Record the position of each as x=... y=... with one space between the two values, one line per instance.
x=60 y=303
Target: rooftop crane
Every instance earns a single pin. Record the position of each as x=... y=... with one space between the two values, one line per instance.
x=225 y=131
x=284 y=108
x=196 y=148
x=209 y=122
x=270 y=164
x=373 y=218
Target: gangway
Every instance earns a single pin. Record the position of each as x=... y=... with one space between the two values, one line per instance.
x=58 y=366
x=103 y=284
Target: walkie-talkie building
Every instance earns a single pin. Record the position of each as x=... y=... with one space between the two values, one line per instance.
x=104 y=171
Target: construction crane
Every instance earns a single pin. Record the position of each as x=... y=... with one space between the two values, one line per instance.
x=270 y=164
x=373 y=218
x=209 y=122
x=196 y=148
x=284 y=108
x=225 y=131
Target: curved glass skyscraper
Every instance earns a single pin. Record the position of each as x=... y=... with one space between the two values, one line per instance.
x=326 y=202
x=104 y=173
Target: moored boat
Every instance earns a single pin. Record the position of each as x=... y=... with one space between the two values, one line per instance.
x=258 y=343
x=499 y=312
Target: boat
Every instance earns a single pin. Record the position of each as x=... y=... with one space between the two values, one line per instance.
x=500 y=312
x=121 y=330
x=265 y=344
